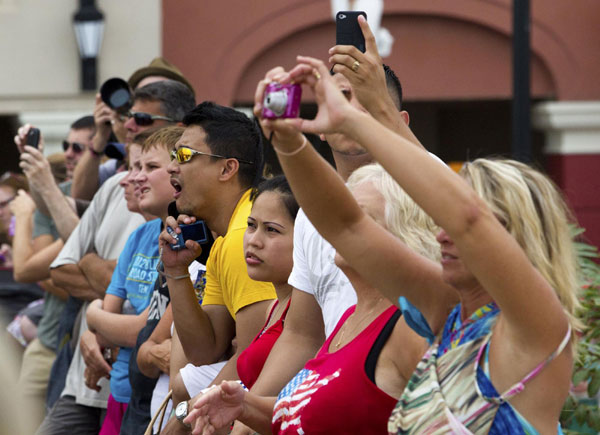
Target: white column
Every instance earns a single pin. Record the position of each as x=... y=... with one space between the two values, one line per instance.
x=571 y=127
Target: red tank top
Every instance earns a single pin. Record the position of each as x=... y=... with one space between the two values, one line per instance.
x=252 y=359
x=333 y=393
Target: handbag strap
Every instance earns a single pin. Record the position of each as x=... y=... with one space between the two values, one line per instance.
x=162 y=409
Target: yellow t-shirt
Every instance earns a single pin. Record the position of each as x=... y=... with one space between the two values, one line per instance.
x=227 y=280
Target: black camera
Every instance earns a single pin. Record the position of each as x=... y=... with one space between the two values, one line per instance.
x=116 y=94
x=196 y=232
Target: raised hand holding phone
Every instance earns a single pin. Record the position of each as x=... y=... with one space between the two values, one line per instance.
x=363 y=69
x=33 y=137
x=347 y=29
x=28 y=135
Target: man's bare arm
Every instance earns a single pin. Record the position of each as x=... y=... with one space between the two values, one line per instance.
x=205 y=332
x=86 y=177
x=105 y=318
x=62 y=211
x=248 y=322
x=149 y=360
x=48 y=286
x=71 y=278
x=97 y=271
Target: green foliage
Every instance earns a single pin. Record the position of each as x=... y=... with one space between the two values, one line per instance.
x=581 y=414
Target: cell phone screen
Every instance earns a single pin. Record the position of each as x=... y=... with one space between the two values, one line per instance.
x=348 y=31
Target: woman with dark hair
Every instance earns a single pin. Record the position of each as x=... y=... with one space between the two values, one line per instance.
x=268 y=245
x=360 y=357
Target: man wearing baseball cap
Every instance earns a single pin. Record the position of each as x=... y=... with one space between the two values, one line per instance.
x=91 y=172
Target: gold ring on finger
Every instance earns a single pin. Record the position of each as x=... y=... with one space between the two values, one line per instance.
x=355 y=66
x=317 y=74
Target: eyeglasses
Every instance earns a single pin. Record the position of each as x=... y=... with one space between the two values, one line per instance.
x=144 y=119
x=77 y=147
x=185 y=154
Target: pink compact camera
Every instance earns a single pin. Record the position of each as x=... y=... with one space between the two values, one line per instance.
x=281 y=101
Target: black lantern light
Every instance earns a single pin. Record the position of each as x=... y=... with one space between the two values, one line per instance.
x=89 y=28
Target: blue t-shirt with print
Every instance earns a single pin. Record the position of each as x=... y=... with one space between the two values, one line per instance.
x=133 y=281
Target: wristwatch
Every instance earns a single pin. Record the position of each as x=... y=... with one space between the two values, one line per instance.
x=181 y=412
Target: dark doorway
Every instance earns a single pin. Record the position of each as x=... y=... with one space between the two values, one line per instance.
x=10 y=156
x=465 y=130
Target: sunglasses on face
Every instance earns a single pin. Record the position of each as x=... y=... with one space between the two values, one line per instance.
x=77 y=147
x=185 y=154
x=144 y=119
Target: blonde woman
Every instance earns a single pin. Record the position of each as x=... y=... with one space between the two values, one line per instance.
x=502 y=360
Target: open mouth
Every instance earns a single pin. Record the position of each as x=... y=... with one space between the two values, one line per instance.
x=176 y=185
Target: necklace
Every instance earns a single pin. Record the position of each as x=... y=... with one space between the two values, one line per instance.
x=342 y=330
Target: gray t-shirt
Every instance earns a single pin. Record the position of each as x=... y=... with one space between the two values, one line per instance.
x=53 y=306
x=43 y=224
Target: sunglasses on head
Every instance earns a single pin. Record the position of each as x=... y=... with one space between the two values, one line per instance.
x=77 y=147
x=185 y=154
x=144 y=119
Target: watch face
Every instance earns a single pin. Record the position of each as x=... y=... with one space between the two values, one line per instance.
x=181 y=410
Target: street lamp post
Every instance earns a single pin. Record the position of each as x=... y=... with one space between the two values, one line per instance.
x=521 y=117
x=88 y=22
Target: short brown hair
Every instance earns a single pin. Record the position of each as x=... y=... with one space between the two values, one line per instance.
x=139 y=139
x=166 y=138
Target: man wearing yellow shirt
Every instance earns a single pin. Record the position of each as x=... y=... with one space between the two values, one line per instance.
x=214 y=167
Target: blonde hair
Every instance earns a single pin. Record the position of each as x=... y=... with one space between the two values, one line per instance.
x=403 y=217
x=165 y=137
x=533 y=211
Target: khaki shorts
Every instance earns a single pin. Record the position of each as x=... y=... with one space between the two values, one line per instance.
x=35 y=373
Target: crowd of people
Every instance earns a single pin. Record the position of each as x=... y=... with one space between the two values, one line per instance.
x=385 y=294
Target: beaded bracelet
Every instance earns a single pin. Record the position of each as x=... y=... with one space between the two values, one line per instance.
x=291 y=153
x=166 y=275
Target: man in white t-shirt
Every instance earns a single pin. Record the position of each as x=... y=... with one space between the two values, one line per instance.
x=321 y=290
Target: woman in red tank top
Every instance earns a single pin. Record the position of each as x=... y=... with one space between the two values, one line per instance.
x=353 y=383
x=268 y=245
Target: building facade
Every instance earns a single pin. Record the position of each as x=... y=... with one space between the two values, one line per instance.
x=455 y=63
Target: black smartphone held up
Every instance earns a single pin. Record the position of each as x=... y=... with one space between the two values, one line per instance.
x=206 y=244
x=347 y=30
x=196 y=232
x=33 y=137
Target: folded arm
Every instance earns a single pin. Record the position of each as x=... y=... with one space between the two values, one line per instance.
x=71 y=278
x=152 y=357
x=105 y=318
x=97 y=271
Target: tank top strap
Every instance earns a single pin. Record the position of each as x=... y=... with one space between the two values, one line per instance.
x=520 y=385
x=287 y=307
x=272 y=311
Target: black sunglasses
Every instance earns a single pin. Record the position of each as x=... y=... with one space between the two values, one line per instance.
x=77 y=147
x=144 y=119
